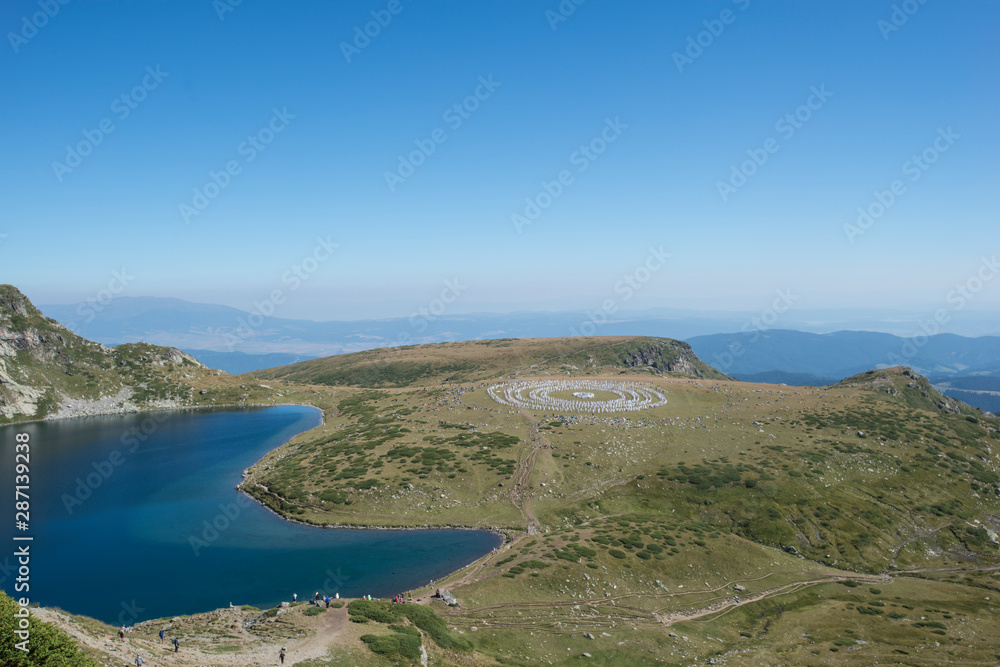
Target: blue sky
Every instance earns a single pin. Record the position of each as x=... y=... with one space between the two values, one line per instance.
x=554 y=86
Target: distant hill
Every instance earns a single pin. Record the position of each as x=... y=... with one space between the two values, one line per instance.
x=985 y=401
x=901 y=385
x=196 y=326
x=199 y=326
x=845 y=353
x=475 y=360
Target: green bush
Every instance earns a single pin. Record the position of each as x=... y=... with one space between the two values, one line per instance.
x=616 y=553
x=48 y=647
x=314 y=611
x=398 y=643
x=374 y=610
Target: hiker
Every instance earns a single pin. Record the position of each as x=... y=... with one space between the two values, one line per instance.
x=295 y=597
x=121 y=634
x=327 y=601
x=316 y=597
x=162 y=631
x=138 y=661
x=177 y=644
x=281 y=655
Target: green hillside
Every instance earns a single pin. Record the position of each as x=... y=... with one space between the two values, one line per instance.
x=723 y=521
x=48 y=371
x=418 y=365
x=901 y=385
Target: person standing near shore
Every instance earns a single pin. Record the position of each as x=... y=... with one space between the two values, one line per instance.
x=162 y=632
x=295 y=597
x=281 y=655
x=177 y=644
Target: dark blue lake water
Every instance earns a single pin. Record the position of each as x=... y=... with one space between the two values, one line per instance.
x=136 y=517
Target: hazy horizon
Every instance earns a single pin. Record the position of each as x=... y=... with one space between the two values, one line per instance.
x=706 y=156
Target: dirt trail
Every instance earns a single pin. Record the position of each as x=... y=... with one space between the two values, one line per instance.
x=520 y=492
x=252 y=651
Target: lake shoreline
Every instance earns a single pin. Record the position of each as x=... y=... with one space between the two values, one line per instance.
x=502 y=533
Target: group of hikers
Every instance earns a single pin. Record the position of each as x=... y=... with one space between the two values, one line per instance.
x=139 y=660
x=316 y=599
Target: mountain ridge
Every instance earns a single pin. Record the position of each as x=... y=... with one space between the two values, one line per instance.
x=49 y=372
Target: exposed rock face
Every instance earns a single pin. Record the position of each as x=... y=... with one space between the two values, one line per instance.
x=675 y=357
x=47 y=371
x=16 y=399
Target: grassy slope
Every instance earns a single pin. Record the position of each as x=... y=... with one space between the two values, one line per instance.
x=647 y=520
x=901 y=385
x=420 y=365
x=771 y=487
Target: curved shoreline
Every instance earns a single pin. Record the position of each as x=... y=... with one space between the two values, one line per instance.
x=500 y=532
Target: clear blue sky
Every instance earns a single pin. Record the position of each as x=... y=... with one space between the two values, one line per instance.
x=656 y=184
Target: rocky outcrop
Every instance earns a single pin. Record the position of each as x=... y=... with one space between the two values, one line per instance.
x=666 y=357
x=15 y=398
x=901 y=384
x=47 y=371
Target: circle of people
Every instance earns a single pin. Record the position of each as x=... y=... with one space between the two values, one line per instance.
x=535 y=395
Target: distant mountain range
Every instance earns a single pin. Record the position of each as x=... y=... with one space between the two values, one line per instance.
x=795 y=356
x=238 y=342
x=964 y=368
